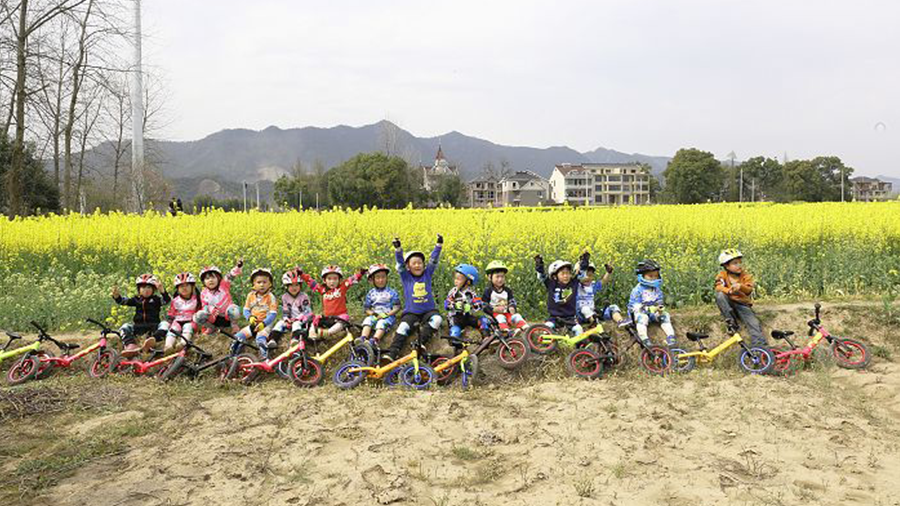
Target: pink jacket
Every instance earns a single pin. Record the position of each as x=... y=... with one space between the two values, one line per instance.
x=220 y=298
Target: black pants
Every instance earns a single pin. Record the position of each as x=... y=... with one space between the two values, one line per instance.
x=407 y=323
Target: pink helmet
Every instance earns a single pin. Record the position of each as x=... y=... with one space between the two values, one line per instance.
x=211 y=269
x=376 y=268
x=184 y=277
x=332 y=269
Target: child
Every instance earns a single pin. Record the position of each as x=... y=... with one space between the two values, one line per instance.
x=498 y=298
x=418 y=294
x=147 y=305
x=334 y=300
x=184 y=306
x=296 y=310
x=561 y=287
x=461 y=304
x=219 y=311
x=260 y=310
x=381 y=304
x=734 y=287
x=588 y=288
x=646 y=302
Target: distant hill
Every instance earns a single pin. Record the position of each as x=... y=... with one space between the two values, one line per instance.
x=230 y=157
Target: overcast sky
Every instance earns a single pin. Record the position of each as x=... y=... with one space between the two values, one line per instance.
x=755 y=77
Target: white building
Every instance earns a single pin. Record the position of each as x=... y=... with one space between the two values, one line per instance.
x=600 y=184
x=440 y=168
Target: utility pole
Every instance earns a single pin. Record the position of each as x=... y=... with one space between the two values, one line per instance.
x=245 y=196
x=732 y=156
x=300 y=201
x=257 y=195
x=317 y=201
x=842 y=182
x=753 y=190
x=137 y=115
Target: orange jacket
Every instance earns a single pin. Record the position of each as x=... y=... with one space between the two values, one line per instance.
x=725 y=283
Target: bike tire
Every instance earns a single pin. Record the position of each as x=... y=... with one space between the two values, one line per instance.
x=306 y=373
x=238 y=370
x=656 y=360
x=533 y=337
x=345 y=379
x=682 y=365
x=840 y=349
x=584 y=363
x=283 y=369
x=513 y=354
x=418 y=380
x=393 y=378
x=100 y=366
x=756 y=360
x=785 y=365
x=446 y=376
x=24 y=370
x=364 y=353
x=171 y=370
x=46 y=369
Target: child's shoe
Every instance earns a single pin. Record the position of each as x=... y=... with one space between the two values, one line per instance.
x=130 y=350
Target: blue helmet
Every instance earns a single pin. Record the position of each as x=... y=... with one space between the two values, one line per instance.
x=469 y=271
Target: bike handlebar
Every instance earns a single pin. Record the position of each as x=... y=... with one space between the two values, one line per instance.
x=233 y=338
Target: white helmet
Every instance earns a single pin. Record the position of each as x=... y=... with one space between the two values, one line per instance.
x=557 y=265
x=729 y=255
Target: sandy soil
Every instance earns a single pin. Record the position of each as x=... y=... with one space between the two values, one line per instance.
x=715 y=436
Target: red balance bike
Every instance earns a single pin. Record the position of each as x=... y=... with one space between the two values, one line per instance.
x=847 y=353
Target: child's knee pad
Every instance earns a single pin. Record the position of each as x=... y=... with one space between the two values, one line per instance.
x=435 y=321
x=233 y=312
x=382 y=324
x=369 y=321
x=610 y=311
x=484 y=322
x=403 y=329
x=455 y=331
x=643 y=319
x=577 y=329
x=586 y=312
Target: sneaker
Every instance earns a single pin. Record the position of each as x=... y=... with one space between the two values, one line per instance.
x=387 y=358
x=271 y=345
x=208 y=331
x=148 y=345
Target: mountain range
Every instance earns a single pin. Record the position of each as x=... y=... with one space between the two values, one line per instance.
x=236 y=155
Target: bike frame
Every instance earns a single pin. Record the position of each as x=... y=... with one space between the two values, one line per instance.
x=458 y=359
x=140 y=367
x=380 y=372
x=271 y=364
x=67 y=360
x=18 y=351
x=572 y=341
x=322 y=357
x=707 y=356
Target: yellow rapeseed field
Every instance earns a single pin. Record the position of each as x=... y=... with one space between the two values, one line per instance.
x=58 y=269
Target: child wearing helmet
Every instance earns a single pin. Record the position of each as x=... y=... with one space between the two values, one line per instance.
x=418 y=293
x=219 y=310
x=734 y=290
x=335 y=316
x=588 y=288
x=381 y=304
x=561 y=290
x=260 y=310
x=296 y=310
x=462 y=303
x=182 y=309
x=646 y=304
x=147 y=305
x=498 y=298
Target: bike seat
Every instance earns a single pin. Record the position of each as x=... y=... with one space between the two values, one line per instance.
x=69 y=346
x=13 y=336
x=781 y=334
x=696 y=336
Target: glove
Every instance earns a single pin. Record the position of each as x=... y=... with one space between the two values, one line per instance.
x=440 y=239
x=363 y=271
x=609 y=268
x=467 y=308
x=585 y=257
x=381 y=316
x=240 y=263
x=459 y=305
x=253 y=321
x=539 y=263
x=260 y=327
x=396 y=242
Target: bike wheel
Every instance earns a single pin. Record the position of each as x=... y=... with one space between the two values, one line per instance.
x=171 y=370
x=682 y=365
x=513 y=354
x=417 y=380
x=393 y=378
x=25 y=369
x=283 y=369
x=584 y=363
x=222 y=369
x=850 y=354
x=534 y=336
x=99 y=368
x=784 y=364
x=446 y=376
x=239 y=369
x=656 y=360
x=306 y=373
x=345 y=378
x=364 y=353
x=756 y=360
x=45 y=367
x=470 y=374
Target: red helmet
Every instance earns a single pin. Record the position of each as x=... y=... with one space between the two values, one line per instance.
x=184 y=277
x=332 y=269
x=146 y=279
x=289 y=278
x=211 y=269
x=376 y=268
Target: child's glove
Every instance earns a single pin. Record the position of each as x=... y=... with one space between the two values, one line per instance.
x=539 y=263
x=459 y=305
x=260 y=327
x=381 y=316
x=609 y=268
x=252 y=321
x=585 y=258
x=396 y=242
x=240 y=263
x=362 y=272
x=440 y=239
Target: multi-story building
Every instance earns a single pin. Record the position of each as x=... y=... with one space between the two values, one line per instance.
x=524 y=188
x=868 y=189
x=483 y=192
x=600 y=184
x=440 y=168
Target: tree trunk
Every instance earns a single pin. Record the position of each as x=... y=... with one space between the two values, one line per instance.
x=14 y=176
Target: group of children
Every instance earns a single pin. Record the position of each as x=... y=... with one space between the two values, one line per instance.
x=571 y=295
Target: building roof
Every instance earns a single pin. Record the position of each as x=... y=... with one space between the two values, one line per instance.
x=865 y=179
x=565 y=168
x=523 y=176
x=483 y=179
x=440 y=153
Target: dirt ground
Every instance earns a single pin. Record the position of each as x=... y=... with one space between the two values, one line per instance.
x=714 y=436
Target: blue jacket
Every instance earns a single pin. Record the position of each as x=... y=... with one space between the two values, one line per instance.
x=417 y=290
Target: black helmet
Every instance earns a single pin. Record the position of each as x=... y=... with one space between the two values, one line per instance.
x=646 y=265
